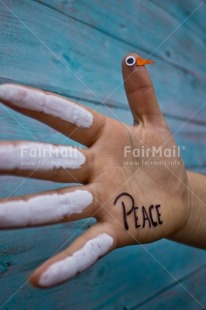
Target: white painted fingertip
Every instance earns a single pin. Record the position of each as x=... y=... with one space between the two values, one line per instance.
x=40 y=156
x=35 y=100
x=43 y=209
x=80 y=260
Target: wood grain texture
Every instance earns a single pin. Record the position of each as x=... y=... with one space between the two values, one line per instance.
x=73 y=70
x=186 y=296
x=136 y=20
x=75 y=48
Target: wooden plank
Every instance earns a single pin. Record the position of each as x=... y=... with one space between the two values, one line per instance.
x=176 y=297
x=191 y=138
x=180 y=11
x=135 y=23
x=72 y=47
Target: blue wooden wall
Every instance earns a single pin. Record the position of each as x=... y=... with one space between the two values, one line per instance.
x=74 y=48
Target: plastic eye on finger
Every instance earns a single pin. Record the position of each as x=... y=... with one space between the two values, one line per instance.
x=130 y=61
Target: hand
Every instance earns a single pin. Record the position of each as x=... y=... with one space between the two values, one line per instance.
x=133 y=199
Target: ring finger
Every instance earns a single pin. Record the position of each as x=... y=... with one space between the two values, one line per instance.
x=49 y=207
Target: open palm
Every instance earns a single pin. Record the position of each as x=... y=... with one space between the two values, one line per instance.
x=136 y=194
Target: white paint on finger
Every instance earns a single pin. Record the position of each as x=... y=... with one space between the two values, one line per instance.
x=79 y=261
x=42 y=156
x=43 y=209
x=35 y=100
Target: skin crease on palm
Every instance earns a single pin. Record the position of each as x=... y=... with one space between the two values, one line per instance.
x=105 y=174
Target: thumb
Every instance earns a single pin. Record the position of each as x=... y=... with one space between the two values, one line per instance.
x=140 y=91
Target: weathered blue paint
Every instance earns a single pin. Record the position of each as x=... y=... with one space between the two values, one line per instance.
x=55 y=45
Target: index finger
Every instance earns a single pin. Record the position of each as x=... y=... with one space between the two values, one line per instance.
x=73 y=120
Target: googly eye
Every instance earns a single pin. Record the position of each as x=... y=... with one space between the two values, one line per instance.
x=130 y=61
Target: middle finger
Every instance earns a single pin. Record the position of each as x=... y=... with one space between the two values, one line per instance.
x=45 y=161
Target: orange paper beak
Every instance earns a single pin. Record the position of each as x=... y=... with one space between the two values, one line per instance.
x=142 y=61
